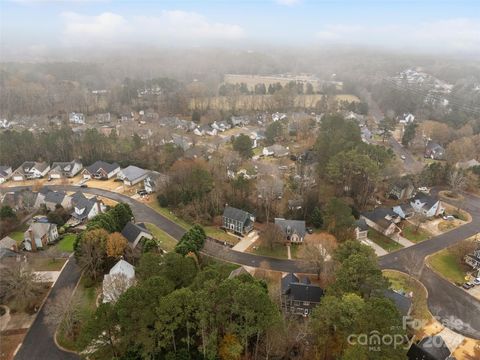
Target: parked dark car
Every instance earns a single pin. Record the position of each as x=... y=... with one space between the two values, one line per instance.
x=309 y=230
x=142 y=192
x=467 y=286
x=84 y=186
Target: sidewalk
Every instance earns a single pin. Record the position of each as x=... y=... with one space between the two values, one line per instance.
x=246 y=242
x=401 y=240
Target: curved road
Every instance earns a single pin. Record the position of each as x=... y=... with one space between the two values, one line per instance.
x=452 y=306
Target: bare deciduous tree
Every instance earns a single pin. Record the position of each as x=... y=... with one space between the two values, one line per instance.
x=272 y=235
x=20 y=284
x=457 y=181
x=63 y=311
x=115 y=285
x=318 y=252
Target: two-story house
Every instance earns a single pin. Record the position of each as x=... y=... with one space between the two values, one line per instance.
x=67 y=169
x=39 y=235
x=294 y=230
x=101 y=170
x=30 y=170
x=238 y=221
x=299 y=297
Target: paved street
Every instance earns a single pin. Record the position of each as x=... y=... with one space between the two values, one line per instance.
x=452 y=305
x=39 y=343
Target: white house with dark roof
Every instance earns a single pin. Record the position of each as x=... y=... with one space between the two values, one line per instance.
x=383 y=220
x=120 y=277
x=30 y=170
x=427 y=205
x=5 y=173
x=101 y=170
x=65 y=169
x=134 y=233
x=238 y=221
x=76 y=118
x=294 y=230
x=155 y=181
x=132 y=175
x=84 y=208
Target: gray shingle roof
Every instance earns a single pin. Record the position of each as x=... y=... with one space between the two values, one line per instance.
x=236 y=214
x=300 y=291
x=291 y=226
x=97 y=165
x=79 y=201
x=361 y=224
x=131 y=231
x=132 y=173
x=55 y=197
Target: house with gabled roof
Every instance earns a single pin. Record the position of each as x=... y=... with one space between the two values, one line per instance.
x=383 y=220
x=427 y=205
x=101 y=170
x=238 y=221
x=39 y=235
x=473 y=260
x=275 y=150
x=430 y=348
x=434 y=151
x=132 y=175
x=120 y=277
x=134 y=233
x=294 y=230
x=155 y=181
x=361 y=230
x=84 y=208
x=30 y=170
x=8 y=243
x=299 y=297
x=67 y=169
x=52 y=199
x=5 y=173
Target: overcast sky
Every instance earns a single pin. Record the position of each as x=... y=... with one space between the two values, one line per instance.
x=423 y=25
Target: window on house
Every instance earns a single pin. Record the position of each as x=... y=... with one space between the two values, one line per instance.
x=296 y=303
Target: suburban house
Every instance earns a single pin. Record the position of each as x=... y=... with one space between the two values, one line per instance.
x=275 y=150
x=405 y=211
x=8 y=243
x=294 y=230
x=473 y=259
x=84 y=208
x=427 y=205
x=39 y=235
x=401 y=189
x=434 y=151
x=295 y=204
x=53 y=198
x=132 y=175
x=182 y=142
x=278 y=116
x=65 y=169
x=407 y=119
x=76 y=118
x=136 y=232
x=383 y=220
x=101 y=170
x=30 y=170
x=5 y=173
x=205 y=130
x=155 y=181
x=430 y=348
x=240 y=120
x=120 y=277
x=221 y=125
x=237 y=221
x=299 y=297
x=361 y=230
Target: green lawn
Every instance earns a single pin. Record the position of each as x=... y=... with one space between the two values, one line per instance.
x=219 y=234
x=17 y=236
x=66 y=244
x=168 y=214
x=165 y=241
x=277 y=251
x=383 y=241
x=403 y=282
x=415 y=236
x=447 y=264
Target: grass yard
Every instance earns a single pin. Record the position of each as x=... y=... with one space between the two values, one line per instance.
x=47 y=264
x=17 y=236
x=66 y=244
x=165 y=241
x=415 y=236
x=403 y=282
x=447 y=225
x=217 y=233
x=277 y=251
x=153 y=203
x=446 y=264
x=383 y=241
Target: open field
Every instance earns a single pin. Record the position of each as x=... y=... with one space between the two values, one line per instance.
x=260 y=102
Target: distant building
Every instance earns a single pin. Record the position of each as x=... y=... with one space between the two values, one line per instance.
x=275 y=150
x=435 y=151
x=5 y=173
x=76 y=118
x=65 y=169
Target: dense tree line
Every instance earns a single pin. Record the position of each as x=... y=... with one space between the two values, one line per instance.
x=61 y=144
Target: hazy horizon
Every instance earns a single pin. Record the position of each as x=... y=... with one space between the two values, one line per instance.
x=45 y=29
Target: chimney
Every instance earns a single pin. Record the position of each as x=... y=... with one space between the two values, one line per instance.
x=32 y=240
